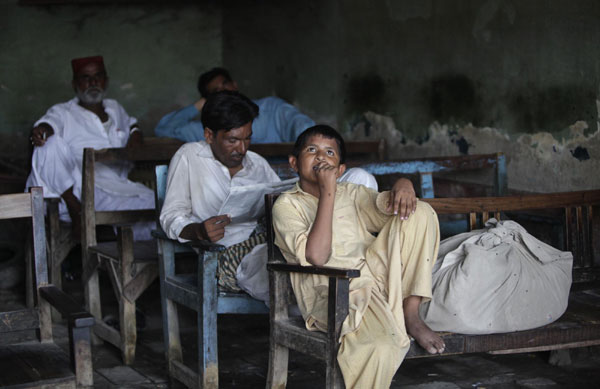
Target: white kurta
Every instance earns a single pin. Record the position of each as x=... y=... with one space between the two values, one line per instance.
x=57 y=165
x=197 y=185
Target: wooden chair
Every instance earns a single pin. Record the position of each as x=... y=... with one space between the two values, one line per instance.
x=198 y=292
x=43 y=364
x=131 y=266
x=578 y=327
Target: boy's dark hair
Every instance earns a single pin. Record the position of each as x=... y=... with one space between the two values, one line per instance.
x=225 y=110
x=326 y=132
x=207 y=77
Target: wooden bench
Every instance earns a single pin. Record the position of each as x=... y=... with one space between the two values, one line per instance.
x=579 y=326
x=43 y=364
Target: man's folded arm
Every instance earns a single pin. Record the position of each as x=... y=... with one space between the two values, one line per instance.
x=183 y=124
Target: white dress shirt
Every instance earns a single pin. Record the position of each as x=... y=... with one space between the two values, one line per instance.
x=197 y=186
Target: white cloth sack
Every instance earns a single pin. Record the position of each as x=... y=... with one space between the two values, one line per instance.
x=498 y=279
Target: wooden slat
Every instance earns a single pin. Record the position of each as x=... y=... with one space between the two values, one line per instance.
x=35 y=366
x=513 y=203
x=292 y=331
x=184 y=374
x=107 y=333
x=143 y=250
x=128 y=216
x=15 y=205
x=158 y=150
x=67 y=306
x=472 y=221
x=320 y=270
x=24 y=319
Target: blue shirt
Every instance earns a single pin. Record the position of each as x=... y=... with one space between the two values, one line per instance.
x=277 y=121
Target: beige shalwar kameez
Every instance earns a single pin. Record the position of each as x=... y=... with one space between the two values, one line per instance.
x=394 y=265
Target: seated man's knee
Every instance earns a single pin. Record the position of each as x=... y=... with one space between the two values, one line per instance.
x=424 y=213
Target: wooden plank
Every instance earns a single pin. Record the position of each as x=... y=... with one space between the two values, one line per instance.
x=143 y=250
x=514 y=203
x=182 y=373
x=157 y=150
x=292 y=332
x=184 y=293
x=426 y=183
x=35 y=365
x=106 y=332
x=15 y=206
x=561 y=346
x=142 y=280
x=127 y=320
x=472 y=221
x=24 y=319
x=239 y=303
x=319 y=270
x=126 y=216
x=337 y=311
x=67 y=306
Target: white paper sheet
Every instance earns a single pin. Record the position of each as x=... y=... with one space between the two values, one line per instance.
x=245 y=203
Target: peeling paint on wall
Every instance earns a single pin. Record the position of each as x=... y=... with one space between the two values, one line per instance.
x=536 y=162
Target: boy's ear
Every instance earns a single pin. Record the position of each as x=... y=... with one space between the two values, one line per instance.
x=341 y=169
x=293 y=163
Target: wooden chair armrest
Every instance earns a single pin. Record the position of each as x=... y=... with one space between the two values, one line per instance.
x=320 y=270
x=67 y=306
x=200 y=244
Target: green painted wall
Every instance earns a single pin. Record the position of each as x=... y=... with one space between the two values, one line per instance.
x=519 y=66
x=523 y=66
x=153 y=56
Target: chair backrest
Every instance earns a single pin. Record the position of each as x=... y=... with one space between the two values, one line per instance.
x=29 y=205
x=91 y=217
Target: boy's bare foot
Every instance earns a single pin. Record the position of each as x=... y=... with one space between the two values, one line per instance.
x=415 y=327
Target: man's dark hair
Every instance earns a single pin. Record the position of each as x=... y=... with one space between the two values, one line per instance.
x=206 y=78
x=326 y=132
x=225 y=110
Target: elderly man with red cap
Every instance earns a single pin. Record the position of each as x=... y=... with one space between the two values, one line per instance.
x=88 y=120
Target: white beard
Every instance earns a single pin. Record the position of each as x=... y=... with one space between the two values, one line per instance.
x=92 y=95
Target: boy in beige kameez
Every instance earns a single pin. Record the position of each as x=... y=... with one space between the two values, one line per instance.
x=321 y=222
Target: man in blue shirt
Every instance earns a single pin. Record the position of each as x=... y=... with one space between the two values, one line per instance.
x=278 y=121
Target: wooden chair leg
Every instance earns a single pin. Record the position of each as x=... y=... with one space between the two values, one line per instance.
x=208 y=365
x=91 y=291
x=29 y=281
x=127 y=321
x=81 y=355
x=172 y=339
x=278 y=366
x=333 y=376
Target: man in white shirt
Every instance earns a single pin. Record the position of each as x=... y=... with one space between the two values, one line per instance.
x=88 y=120
x=201 y=175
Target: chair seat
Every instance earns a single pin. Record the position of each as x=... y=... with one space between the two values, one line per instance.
x=183 y=288
x=143 y=250
x=24 y=364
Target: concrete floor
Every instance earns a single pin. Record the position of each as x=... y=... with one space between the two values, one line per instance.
x=243 y=357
